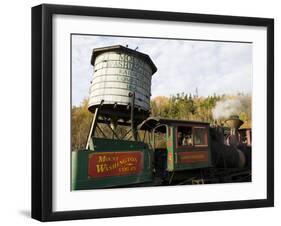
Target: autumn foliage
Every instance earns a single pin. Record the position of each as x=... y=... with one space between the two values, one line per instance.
x=180 y=106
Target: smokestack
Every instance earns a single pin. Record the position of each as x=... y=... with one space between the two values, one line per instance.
x=234 y=123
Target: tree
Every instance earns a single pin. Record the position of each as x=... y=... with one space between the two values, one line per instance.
x=179 y=106
x=80 y=125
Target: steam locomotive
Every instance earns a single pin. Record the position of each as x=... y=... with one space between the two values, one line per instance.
x=192 y=153
x=150 y=151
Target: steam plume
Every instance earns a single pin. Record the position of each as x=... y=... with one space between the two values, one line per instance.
x=227 y=107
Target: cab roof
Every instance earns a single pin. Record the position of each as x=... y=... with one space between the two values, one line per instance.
x=152 y=122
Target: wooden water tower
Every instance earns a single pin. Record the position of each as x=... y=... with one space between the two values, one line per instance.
x=120 y=90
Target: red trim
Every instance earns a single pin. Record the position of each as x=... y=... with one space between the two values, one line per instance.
x=192 y=157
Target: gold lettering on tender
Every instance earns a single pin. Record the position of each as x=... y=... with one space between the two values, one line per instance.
x=105 y=158
x=102 y=158
x=101 y=168
x=110 y=163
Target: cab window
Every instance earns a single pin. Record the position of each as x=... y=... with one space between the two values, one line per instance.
x=200 y=136
x=185 y=136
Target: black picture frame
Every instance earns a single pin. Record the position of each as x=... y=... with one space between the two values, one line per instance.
x=42 y=87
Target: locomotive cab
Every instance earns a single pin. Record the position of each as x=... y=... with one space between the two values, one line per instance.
x=191 y=145
x=178 y=145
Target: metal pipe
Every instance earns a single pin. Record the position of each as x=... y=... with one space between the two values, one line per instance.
x=133 y=128
x=93 y=125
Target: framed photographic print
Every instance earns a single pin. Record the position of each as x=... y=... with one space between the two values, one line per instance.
x=145 y=112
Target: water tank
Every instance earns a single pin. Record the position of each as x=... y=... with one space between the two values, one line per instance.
x=117 y=72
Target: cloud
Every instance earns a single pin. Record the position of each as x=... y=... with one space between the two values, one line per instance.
x=183 y=65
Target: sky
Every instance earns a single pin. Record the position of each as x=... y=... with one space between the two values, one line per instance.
x=183 y=65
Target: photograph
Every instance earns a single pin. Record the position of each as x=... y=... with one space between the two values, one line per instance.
x=149 y=111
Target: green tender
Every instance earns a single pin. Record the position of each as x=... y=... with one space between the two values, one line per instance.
x=80 y=178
